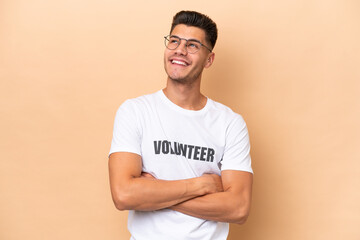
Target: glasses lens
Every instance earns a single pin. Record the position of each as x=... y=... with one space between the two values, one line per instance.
x=172 y=42
x=193 y=46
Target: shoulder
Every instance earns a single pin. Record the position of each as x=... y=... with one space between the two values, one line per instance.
x=140 y=102
x=226 y=113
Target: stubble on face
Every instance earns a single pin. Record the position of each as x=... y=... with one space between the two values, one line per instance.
x=194 y=64
x=177 y=77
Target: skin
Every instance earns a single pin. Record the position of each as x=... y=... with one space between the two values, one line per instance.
x=132 y=191
x=183 y=82
x=226 y=198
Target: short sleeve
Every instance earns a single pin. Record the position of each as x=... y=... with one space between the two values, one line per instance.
x=126 y=133
x=237 y=147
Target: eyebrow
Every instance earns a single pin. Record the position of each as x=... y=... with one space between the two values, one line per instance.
x=190 y=39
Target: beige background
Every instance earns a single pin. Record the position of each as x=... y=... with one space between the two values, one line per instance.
x=291 y=68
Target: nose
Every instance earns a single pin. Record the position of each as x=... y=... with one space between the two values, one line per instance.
x=181 y=49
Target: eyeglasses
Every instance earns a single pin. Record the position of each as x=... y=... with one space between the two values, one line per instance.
x=192 y=45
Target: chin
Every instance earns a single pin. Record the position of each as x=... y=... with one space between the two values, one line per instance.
x=178 y=79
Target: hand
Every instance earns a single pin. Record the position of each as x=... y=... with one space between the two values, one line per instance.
x=212 y=183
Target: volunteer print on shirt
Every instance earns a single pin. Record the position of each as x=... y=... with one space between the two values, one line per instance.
x=186 y=150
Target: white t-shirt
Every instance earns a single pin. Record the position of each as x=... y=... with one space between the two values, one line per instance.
x=177 y=143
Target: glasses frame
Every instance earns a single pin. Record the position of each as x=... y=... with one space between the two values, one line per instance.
x=166 y=38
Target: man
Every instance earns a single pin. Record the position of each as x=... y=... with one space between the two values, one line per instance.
x=179 y=160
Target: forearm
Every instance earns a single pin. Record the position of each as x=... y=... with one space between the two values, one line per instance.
x=133 y=190
x=221 y=207
x=146 y=194
x=231 y=205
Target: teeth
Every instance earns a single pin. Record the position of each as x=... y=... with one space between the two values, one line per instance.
x=179 y=62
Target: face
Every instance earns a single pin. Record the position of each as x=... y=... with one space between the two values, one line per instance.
x=184 y=67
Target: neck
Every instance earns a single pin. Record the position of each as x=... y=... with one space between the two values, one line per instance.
x=187 y=96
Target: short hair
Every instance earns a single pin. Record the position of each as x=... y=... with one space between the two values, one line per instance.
x=196 y=19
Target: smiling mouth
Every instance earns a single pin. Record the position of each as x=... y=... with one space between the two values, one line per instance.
x=179 y=62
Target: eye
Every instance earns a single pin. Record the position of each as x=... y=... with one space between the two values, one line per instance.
x=193 y=45
x=173 y=40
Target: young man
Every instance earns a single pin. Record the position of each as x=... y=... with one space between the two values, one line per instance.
x=179 y=161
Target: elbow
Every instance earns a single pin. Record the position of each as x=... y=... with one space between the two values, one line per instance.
x=240 y=220
x=122 y=202
x=240 y=216
x=120 y=205
x=124 y=197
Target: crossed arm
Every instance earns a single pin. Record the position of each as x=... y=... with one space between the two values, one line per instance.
x=225 y=199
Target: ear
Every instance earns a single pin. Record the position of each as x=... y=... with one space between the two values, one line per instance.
x=210 y=60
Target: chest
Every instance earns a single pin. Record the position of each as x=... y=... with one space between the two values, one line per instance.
x=179 y=147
